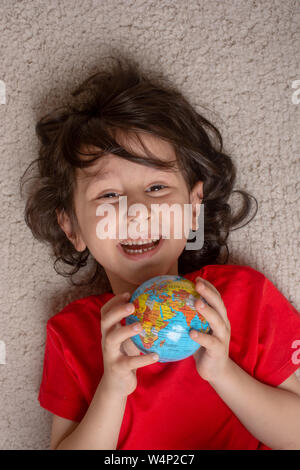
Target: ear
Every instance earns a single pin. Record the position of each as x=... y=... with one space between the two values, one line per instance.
x=65 y=224
x=196 y=197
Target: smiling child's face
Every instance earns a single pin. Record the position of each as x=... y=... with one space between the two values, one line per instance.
x=104 y=182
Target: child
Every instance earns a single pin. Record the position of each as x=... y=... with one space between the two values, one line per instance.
x=131 y=136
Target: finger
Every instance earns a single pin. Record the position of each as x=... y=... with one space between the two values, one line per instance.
x=116 y=336
x=135 y=362
x=207 y=283
x=116 y=300
x=213 y=297
x=117 y=313
x=215 y=320
x=208 y=341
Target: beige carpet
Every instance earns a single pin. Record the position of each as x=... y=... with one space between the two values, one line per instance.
x=238 y=58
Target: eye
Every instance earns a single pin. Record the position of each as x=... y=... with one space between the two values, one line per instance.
x=158 y=186
x=106 y=195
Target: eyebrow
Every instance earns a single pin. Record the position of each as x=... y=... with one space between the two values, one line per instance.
x=99 y=176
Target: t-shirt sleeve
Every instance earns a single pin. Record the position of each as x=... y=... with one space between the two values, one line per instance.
x=60 y=392
x=278 y=353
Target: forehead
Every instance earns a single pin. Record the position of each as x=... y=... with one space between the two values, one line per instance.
x=109 y=165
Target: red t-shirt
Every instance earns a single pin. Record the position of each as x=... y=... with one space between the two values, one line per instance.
x=172 y=406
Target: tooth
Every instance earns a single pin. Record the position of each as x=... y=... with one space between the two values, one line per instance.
x=140 y=242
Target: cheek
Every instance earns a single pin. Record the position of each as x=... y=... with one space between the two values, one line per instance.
x=104 y=223
x=93 y=228
x=174 y=248
x=179 y=221
x=90 y=227
x=103 y=251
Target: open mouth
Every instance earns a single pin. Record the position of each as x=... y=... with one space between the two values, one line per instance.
x=141 y=249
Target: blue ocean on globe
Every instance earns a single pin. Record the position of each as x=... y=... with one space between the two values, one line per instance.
x=164 y=305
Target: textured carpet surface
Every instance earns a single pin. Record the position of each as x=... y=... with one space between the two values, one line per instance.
x=237 y=58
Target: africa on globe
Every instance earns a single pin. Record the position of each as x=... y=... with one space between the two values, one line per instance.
x=165 y=306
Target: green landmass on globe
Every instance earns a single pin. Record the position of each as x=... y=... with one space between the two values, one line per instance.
x=165 y=307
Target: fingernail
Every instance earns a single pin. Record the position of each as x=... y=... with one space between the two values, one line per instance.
x=130 y=308
x=137 y=327
x=194 y=334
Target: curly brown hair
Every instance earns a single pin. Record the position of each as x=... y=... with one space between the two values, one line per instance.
x=124 y=98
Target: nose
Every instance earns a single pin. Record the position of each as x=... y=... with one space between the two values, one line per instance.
x=136 y=211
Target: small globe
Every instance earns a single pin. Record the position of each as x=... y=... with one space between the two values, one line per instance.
x=165 y=307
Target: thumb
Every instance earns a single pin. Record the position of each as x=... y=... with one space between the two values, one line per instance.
x=129 y=348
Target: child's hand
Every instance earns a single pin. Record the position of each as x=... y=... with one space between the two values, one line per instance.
x=212 y=359
x=119 y=355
